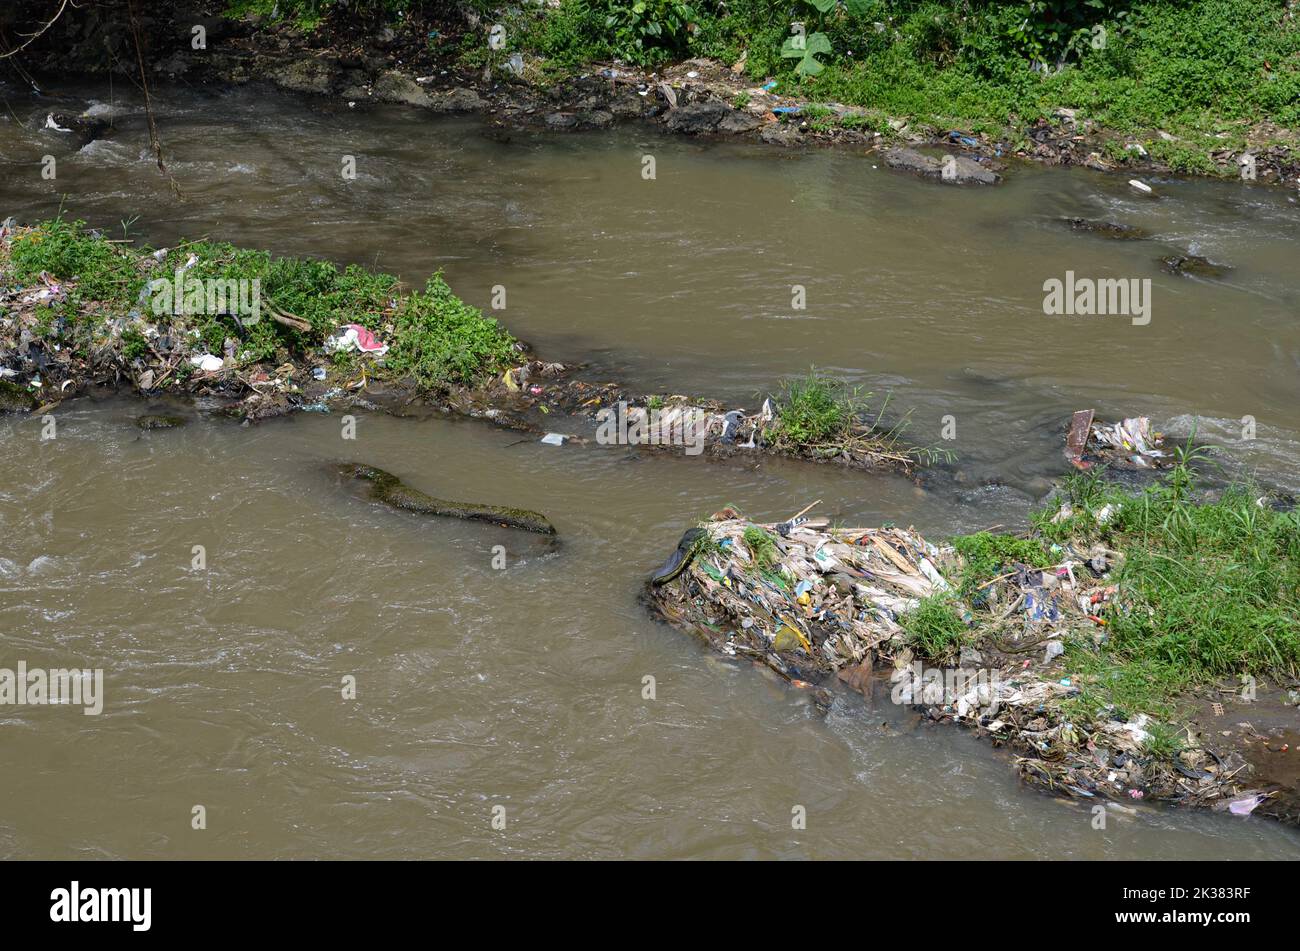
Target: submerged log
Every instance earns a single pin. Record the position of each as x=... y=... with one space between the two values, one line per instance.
x=15 y=399
x=387 y=488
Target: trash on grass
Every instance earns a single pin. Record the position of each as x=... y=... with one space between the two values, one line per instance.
x=818 y=605
x=208 y=362
x=356 y=337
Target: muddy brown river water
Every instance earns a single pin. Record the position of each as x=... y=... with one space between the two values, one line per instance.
x=522 y=688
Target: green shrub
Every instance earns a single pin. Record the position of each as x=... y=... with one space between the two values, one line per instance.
x=440 y=341
x=816 y=409
x=68 y=251
x=934 y=628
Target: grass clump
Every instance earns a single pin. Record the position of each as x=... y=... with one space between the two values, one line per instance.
x=934 y=628
x=816 y=410
x=761 y=546
x=439 y=340
x=68 y=251
x=986 y=555
x=1207 y=591
x=1162 y=741
x=436 y=339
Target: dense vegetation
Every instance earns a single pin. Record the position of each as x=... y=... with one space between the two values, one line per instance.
x=437 y=340
x=1187 y=66
x=1209 y=589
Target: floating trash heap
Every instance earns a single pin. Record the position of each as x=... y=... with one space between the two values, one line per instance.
x=1130 y=444
x=803 y=598
x=819 y=604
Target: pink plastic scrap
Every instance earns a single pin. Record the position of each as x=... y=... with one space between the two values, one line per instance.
x=1244 y=807
x=367 y=342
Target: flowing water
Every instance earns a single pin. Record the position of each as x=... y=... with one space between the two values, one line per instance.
x=522 y=687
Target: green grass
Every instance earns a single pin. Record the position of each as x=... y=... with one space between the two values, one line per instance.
x=437 y=340
x=816 y=409
x=1201 y=70
x=1204 y=71
x=68 y=251
x=1208 y=590
x=934 y=628
x=761 y=546
x=987 y=555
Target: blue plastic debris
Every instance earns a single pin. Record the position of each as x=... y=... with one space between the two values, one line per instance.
x=1040 y=607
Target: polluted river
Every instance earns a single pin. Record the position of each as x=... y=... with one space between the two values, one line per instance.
x=525 y=686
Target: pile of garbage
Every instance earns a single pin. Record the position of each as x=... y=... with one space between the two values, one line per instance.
x=819 y=604
x=1130 y=444
x=162 y=341
x=799 y=596
x=47 y=355
x=609 y=413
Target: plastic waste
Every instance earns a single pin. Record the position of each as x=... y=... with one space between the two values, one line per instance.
x=356 y=337
x=208 y=363
x=554 y=439
x=731 y=424
x=1244 y=807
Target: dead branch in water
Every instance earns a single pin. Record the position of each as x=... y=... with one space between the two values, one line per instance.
x=155 y=142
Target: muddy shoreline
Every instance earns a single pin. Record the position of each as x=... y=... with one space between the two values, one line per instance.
x=695 y=98
x=55 y=344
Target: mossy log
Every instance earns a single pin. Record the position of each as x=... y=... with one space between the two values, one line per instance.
x=387 y=488
x=15 y=399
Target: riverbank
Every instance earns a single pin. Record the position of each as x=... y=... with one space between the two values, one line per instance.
x=1142 y=102
x=1135 y=644
x=260 y=337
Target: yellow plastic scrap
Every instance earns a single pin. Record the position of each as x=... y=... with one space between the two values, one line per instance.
x=508 y=378
x=789 y=637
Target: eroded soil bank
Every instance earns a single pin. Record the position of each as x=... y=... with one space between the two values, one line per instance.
x=429 y=63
